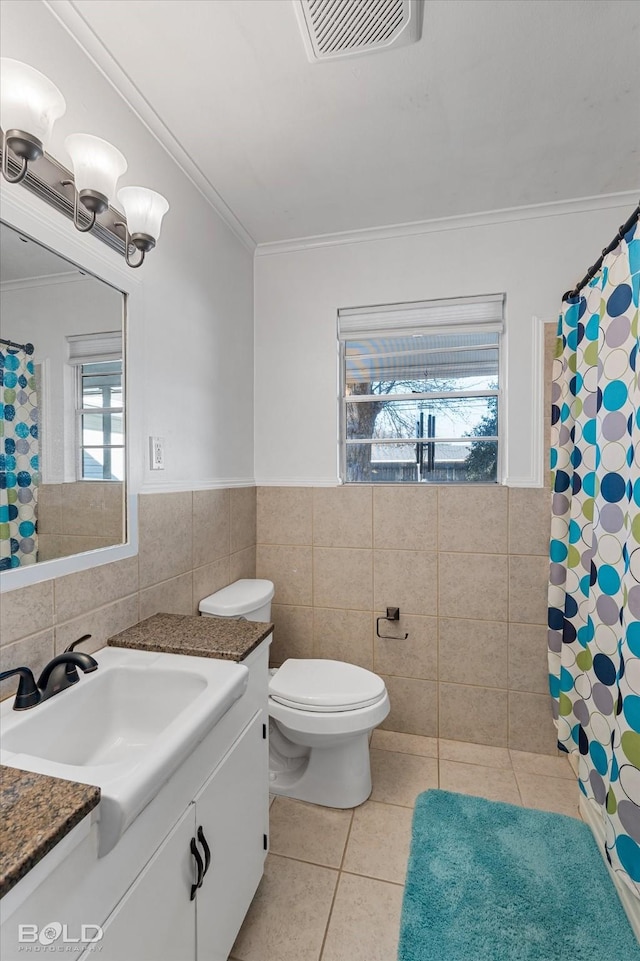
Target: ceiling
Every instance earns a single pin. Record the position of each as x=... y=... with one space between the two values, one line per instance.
x=502 y=103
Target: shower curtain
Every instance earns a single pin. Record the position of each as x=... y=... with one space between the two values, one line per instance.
x=594 y=589
x=19 y=467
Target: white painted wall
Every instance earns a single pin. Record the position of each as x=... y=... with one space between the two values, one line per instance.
x=533 y=259
x=191 y=344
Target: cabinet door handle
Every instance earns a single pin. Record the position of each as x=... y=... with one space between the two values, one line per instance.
x=199 y=865
x=207 y=851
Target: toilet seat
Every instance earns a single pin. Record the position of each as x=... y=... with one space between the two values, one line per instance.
x=325 y=686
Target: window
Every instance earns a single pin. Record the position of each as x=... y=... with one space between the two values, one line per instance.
x=421 y=392
x=99 y=406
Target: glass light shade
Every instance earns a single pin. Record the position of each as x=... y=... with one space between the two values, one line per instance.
x=97 y=165
x=144 y=210
x=28 y=100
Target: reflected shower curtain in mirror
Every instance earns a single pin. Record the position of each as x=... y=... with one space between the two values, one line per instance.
x=594 y=590
x=19 y=467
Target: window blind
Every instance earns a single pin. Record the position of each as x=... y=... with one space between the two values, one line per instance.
x=481 y=313
x=91 y=348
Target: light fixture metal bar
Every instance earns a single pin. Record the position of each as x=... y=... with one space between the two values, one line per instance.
x=44 y=179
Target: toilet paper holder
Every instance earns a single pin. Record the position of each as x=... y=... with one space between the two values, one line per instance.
x=393 y=614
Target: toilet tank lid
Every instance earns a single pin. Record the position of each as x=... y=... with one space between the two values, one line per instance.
x=241 y=597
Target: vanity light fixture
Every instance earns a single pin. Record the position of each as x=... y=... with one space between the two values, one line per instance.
x=144 y=210
x=29 y=106
x=97 y=167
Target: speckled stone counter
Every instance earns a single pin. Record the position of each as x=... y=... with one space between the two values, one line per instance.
x=194 y=635
x=35 y=813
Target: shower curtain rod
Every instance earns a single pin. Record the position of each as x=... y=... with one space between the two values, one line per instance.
x=10 y=343
x=592 y=271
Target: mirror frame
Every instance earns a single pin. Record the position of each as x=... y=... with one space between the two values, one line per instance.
x=25 y=213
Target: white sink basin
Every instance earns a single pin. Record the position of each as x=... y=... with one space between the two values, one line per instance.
x=125 y=727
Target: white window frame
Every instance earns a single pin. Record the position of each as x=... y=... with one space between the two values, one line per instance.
x=87 y=349
x=484 y=313
x=80 y=411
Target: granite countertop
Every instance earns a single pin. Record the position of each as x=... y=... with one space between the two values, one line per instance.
x=35 y=813
x=197 y=636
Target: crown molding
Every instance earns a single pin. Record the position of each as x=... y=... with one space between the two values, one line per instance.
x=77 y=27
x=416 y=228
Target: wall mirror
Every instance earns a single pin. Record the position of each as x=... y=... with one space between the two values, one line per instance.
x=63 y=454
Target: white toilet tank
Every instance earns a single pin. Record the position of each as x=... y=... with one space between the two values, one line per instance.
x=249 y=598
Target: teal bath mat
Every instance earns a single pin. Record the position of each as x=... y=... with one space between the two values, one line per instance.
x=494 y=882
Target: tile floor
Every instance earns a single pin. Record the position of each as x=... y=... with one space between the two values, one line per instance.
x=332 y=889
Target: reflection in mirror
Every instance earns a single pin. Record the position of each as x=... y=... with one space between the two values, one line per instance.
x=62 y=440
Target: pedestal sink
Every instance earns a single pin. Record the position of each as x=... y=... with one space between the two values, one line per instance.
x=125 y=728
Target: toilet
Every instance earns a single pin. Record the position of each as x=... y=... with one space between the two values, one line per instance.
x=321 y=712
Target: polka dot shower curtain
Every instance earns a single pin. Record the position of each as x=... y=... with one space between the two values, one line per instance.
x=594 y=590
x=18 y=458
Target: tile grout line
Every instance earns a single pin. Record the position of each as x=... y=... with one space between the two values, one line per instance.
x=313 y=566
x=373 y=579
x=335 y=890
x=437 y=617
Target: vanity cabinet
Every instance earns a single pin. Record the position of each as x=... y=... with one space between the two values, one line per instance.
x=140 y=892
x=157 y=920
x=231 y=813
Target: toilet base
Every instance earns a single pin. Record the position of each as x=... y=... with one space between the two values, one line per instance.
x=338 y=776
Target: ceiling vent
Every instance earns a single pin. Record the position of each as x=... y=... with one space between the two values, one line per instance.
x=334 y=29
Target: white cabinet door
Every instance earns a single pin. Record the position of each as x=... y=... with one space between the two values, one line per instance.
x=155 y=920
x=233 y=809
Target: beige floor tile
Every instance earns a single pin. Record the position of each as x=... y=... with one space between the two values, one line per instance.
x=526 y=763
x=399 y=778
x=404 y=743
x=549 y=793
x=288 y=916
x=308 y=832
x=365 y=921
x=488 y=782
x=379 y=842
x=469 y=753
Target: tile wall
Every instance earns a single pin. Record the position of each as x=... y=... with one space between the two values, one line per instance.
x=467 y=566
x=78 y=517
x=191 y=544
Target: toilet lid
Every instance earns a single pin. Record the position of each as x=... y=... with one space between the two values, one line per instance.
x=313 y=684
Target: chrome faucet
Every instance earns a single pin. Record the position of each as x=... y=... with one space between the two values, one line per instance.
x=56 y=676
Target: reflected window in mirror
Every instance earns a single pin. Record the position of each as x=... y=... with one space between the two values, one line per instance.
x=63 y=454
x=99 y=406
x=100 y=422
